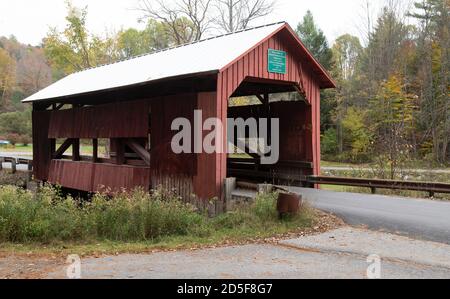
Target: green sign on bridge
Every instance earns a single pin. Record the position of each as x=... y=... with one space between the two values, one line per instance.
x=276 y=61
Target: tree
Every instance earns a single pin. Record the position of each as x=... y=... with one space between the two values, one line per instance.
x=346 y=53
x=357 y=135
x=7 y=77
x=235 y=15
x=75 y=49
x=392 y=114
x=33 y=72
x=315 y=40
x=381 y=57
x=133 y=42
x=433 y=63
x=186 y=20
x=16 y=126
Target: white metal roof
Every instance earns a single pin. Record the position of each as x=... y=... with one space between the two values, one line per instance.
x=208 y=55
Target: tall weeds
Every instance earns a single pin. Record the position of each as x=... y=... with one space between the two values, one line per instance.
x=48 y=217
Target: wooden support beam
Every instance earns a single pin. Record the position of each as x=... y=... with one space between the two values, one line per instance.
x=52 y=147
x=76 y=150
x=120 y=151
x=260 y=98
x=58 y=107
x=139 y=150
x=269 y=117
x=95 y=150
x=266 y=99
x=58 y=154
x=41 y=106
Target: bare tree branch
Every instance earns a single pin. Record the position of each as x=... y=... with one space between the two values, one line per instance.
x=186 y=20
x=235 y=15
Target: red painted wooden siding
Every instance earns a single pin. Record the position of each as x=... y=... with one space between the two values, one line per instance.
x=210 y=174
x=41 y=145
x=164 y=111
x=117 y=120
x=254 y=64
x=185 y=174
x=295 y=127
x=92 y=177
x=202 y=174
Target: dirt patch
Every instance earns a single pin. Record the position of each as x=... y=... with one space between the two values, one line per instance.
x=18 y=179
x=27 y=267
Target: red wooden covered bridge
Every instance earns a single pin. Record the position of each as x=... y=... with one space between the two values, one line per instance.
x=131 y=104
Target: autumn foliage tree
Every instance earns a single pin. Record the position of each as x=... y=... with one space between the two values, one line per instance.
x=7 y=77
x=75 y=49
x=392 y=116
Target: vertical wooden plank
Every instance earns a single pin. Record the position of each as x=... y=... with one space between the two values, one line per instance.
x=229 y=74
x=252 y=64
x=246 y=65
x=76 y=150
x=95 y=150
x=261 y=55
x=265 y=58
x=120 y=151
x=317 y=131
x=42 y=145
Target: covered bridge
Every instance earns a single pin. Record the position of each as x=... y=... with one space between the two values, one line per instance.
x=131 y=104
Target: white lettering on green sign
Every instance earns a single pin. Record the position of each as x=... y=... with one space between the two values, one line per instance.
x=276 y=61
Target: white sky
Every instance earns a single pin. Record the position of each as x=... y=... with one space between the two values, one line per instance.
x=29 y=20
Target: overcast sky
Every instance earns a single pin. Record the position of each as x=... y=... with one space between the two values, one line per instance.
x=30 y=20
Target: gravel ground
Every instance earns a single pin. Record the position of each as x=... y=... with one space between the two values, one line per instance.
x=364 y=242
x=340 y=253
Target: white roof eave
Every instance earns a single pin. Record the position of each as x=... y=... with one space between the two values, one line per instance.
x=200 y=57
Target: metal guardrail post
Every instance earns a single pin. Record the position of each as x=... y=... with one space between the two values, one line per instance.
x=13 y=165
x=30 y=171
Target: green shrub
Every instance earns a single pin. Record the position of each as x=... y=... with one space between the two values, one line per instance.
x=265 y=207
x=140 y=217
x=48 y=216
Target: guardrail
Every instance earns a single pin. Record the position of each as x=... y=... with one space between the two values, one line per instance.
x=374 y=184
x=18 y=161
x=431 y=187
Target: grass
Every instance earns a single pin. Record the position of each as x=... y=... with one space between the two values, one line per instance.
x=17 y=148
x=85 y=149
x=137 y=222
x=339 y=164
x=413 y=164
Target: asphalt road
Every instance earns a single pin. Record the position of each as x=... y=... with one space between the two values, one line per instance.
x=417 y=218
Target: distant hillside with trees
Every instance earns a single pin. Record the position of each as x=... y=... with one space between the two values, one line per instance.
x=391 y=105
